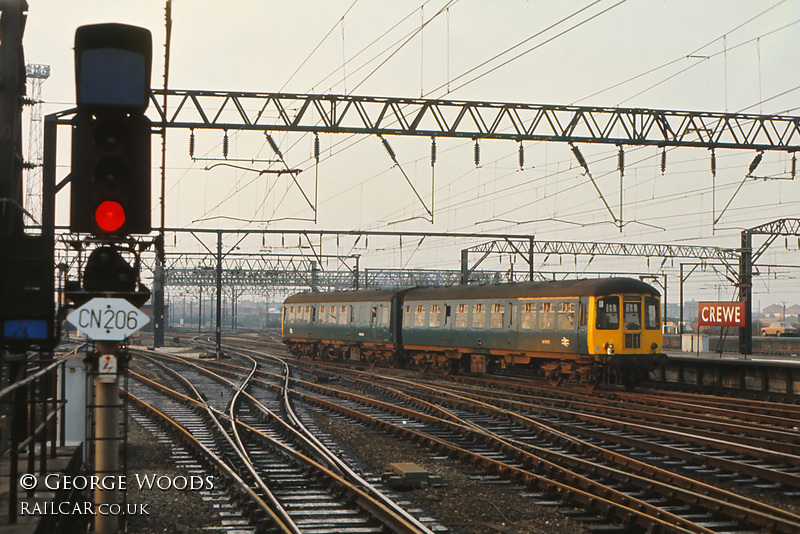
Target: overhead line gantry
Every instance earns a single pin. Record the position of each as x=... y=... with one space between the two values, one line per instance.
x=329 y=113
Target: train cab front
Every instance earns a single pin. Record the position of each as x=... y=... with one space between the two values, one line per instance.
x=627 y=336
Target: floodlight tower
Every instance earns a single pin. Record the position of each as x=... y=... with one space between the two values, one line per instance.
x=35 y=75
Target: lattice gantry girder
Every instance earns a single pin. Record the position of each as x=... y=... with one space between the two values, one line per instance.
x=778 y=227
x=605 y=249
x=328 y=280
x=242 y=278
x=248 y=262
x=389 y=278
x=474 y=119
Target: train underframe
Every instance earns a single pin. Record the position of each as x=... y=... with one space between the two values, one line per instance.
x=592 y=370
x=373 y=354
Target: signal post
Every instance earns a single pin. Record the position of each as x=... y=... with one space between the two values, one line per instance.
x=110 y=199
x=106 y=432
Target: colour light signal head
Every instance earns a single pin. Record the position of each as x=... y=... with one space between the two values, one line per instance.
x=109 y=216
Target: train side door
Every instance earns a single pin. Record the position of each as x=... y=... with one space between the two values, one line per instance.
x=583 y=322
x=512 y=337
x=513 y=316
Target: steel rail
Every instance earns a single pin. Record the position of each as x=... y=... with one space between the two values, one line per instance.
x=367 y=496
x=743 y=508
x=522 y=402
x=674 y=481
x=245 y=455
x=277 y=508
x=333 y=460
x=767 y=516
x=581 y=489
x=651 y=515
x=210 y=456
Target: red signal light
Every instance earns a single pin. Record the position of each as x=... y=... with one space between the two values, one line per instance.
x=109 y=216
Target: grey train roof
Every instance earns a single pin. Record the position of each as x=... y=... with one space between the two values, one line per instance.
x=561 y=288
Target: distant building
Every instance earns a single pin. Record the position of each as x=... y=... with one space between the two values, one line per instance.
x=777 y=311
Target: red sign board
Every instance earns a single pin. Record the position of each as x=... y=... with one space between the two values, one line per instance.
x=721 y=314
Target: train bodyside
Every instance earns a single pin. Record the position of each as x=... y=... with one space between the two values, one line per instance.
x=604 y=330
x=347 y=325
x=596 y=331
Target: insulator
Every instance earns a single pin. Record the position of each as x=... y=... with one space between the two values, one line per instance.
x=316 y=146
x=225 y=143
x=755 y=162
x=663 y=160
x=521 y=156
x=433 y=151
x=794 y=165
x=621 y=161
x=191 y=144
x=713 y=162
x=273 y=145
x=388 y=148
x=579 y=157
x=477 y=153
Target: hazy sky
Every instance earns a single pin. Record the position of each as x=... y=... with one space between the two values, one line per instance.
x=730 y=55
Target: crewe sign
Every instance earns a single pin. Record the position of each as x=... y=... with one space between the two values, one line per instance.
x=721 y=314
x=108 y=319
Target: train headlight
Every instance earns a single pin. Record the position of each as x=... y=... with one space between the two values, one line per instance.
x=610 y=349
x=654 y=347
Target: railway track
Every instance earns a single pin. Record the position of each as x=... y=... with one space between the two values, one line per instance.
x=588 y=456
x=293 y=483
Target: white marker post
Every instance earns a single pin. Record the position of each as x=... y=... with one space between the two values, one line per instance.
x=107 y=321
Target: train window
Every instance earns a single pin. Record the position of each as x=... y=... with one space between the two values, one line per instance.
x=374 y=317
x=651 y=318
x=407 y=316
x=446 y=314
x=419 y=315
x=633 y=314
x=462 y=313
x=435 y=316
x=584 y=319
x=528 y=316
x=478 y=316
x=496 y=315
x=385 y=315
x=608 y=313
x=332 y=314
x=547 y=320
x=312 y=311
x=566 y=316
x=322 y=317
x=343 y=315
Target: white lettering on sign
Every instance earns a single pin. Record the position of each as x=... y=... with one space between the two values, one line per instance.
x=721 y=314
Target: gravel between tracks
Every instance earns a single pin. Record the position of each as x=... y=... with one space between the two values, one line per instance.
x=463 y=505
x=170 y=511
